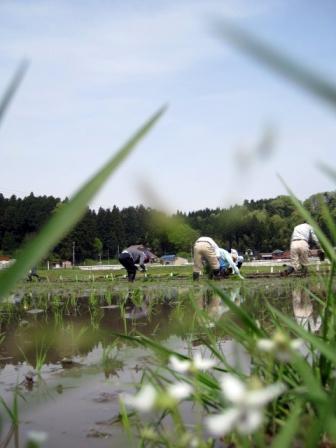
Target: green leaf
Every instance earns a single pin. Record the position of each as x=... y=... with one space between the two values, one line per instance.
x=281 y=63
x=69 y=213
x=238 y=311
x=288 y=431
x=12 y=87
x=313 y=386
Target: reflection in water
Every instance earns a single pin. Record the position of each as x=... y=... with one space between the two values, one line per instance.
x=304 y=311
x=84 y=328
x=213 y=305
x=135 y=311
x=214 y=313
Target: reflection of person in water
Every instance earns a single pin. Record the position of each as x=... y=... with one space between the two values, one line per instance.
x=135 y=312
x=304 y=311
x=213 y=304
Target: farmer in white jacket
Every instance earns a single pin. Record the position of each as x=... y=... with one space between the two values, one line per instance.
x=303 y=237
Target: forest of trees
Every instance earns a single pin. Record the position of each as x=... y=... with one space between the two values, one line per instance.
x=262 y=226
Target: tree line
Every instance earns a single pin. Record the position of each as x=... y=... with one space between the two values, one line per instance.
x=261 y=226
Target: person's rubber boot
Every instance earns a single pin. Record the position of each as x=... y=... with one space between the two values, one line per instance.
x=196 y=276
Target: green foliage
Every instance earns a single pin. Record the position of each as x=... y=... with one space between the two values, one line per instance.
x=98 y=246
x=263 y=225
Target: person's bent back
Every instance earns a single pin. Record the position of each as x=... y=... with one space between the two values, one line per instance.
x=205 y=248
x=130 y=257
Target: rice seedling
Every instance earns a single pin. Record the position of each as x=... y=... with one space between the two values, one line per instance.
x=41 y=347
x=41 y=356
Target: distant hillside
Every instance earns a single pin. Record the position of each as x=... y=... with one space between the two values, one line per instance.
x=260 y=225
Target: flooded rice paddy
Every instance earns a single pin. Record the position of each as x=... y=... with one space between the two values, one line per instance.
x=65 y=358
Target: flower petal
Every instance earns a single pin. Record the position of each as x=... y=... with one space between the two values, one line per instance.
x=180 y=390
x=179 y=365
x=143 y=401
x=221 y=424
x=233 y=388
x=249 y=421
x=296 y=344
x=265 y=345
x=258 y=398
x=203 y=363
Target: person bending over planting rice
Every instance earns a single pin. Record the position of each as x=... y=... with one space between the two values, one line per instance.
x=32 y=273
x=303 y=238
x=228 y=262
x=131 y=257
x=206 y=249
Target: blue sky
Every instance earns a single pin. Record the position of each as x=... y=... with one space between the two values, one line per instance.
x=99 y=69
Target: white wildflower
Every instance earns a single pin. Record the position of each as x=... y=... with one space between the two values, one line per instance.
x=296 y=344
x=266 y=345
x=220 y=424
x=180 y=390
x=233 y=389
x=143 y=401
x=280 y=345
x=203 y=363
x=246 y=412
x=184 y=365
x=179 y=365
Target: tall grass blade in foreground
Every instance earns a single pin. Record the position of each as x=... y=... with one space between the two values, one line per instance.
x=286 y=435
x=281 y=63
x=331 y=172
x=12 y=87
x=70 y=213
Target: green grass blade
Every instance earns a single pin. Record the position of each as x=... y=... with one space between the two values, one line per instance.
x=159 y=349
x=12 y=88
x=281 y=63
x=328 y=219
x=69 y=214
x=285 y=437
x=331 y=172
x=325 y=243
x=313 y=385
x=249 y=322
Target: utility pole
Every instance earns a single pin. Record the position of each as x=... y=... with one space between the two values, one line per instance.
x=73 y=253
x=108 y=256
